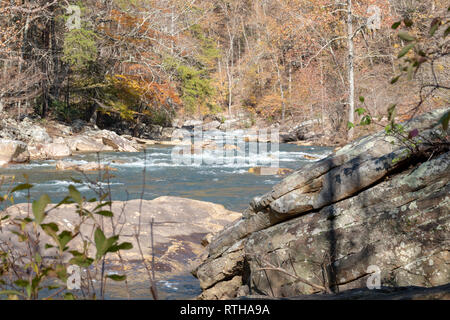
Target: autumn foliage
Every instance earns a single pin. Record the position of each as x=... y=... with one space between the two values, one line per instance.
x=278 y=60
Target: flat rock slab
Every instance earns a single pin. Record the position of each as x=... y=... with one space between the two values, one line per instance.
x=179 y=226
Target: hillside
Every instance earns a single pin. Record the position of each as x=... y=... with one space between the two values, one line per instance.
x=277 y=62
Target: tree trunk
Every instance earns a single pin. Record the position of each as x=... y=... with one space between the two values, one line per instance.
x=351 y=79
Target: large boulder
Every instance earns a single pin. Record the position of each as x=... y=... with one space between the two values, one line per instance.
x=303 y=131
x=13 y=151
x=372 y=206
x=56 y=150
x=179 y=225
x=86 y=144
x=113 y=140
x=35 y=133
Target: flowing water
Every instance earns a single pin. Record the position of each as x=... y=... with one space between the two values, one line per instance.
x=229 y=183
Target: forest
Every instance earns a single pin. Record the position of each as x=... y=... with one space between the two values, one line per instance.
x=280 y=61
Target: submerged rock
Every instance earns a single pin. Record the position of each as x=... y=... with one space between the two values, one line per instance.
x=270 y=171
x=370 y=207
x=91 y=166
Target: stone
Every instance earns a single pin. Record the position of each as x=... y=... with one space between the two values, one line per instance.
x=87 y=167
x=12 y=151
x=166 y=133
x=179 y=225
x=86 y=144
x=38 y=135
x=40 y=151
x=224 y=267
x=269 y=171
x=213 y=125
x=224 y=290
x=190 y=124
x=78 y=125
x=369 y=205
x=303 y=131
x=57 y=150
x=113 y=140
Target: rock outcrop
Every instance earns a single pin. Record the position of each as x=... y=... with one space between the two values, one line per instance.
x=59 y=141
x=373 y=206
x=13 y=151
x=179 y=225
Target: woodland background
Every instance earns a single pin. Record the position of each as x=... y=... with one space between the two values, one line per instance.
x=276 y=61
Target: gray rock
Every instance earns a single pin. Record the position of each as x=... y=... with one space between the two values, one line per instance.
x=213 y=125
x=78 y=125
x=13 y=151
x=179 y=225
x=326 y=225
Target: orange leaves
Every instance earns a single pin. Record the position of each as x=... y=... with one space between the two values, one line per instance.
x=154 y=94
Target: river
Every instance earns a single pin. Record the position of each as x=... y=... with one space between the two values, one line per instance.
x=228 y=183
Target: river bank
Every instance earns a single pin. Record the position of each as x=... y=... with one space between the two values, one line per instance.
x=28 y=139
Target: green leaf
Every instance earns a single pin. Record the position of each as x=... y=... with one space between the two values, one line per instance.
x=81 y=261
x=21 y=283
x=53 y=227
x=391 y=112
x=66 y=200
x=405 y=50
x=366 y=120
x=111 y=243
x=360 y=111
x=395 y=79
x=117 y=277
x=64 y=238
x=75 y=194
x=396 y=25
x=11 y=292
x=104 y=213
x=406 y=36
x=100 y=243
x=434 y=26
x=361 y=98
x=410 y=71
x=350 y=125
x=28 y=290
x=25 y=186
x=69 y=296
x=38 y=258
x=101 y=205
x=61 y=272
x=76 y=180
x=446 y=32
x=39 y=208
x=122 y=246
